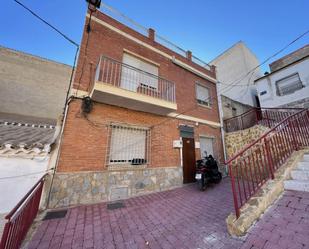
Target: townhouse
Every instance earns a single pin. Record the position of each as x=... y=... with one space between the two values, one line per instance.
x=286 y=85
x=140 y=117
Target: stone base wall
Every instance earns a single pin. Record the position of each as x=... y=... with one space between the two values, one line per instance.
x=91 y=187
x=235 y=141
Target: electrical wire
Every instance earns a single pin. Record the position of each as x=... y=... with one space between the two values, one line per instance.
x=30 y=174
x=47 y=23
x=270 y=57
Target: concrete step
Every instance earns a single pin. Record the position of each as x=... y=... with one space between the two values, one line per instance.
x=296 y=185
x=302 y=175
x=303 y=166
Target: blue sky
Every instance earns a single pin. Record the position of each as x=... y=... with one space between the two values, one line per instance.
x=206 y=27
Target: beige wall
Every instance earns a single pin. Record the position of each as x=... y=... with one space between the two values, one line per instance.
x=231 y=66
x=32 y=86
x=232 y=108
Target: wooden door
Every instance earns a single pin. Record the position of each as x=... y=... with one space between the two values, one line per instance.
x=188 y=154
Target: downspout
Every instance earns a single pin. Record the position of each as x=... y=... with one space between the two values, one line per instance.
x=221 y=124
x=66 y=108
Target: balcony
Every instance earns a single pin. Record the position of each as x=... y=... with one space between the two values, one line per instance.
x=122 y=85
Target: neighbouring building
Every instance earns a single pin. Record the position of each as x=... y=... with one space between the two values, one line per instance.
x=149 y=114
x=236 y=90
x=32 y=96
x=287 y=84
x=26 y=154
x=31 y=85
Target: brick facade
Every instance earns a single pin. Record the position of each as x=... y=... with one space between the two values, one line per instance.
x=85 y=141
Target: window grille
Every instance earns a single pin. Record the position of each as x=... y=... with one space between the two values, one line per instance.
x=128 y=145
x=288 y=85
x=202 y=95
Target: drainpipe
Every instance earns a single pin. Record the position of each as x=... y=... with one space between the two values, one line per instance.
x=221 y=123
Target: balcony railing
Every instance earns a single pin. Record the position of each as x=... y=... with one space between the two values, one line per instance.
x=118 y=74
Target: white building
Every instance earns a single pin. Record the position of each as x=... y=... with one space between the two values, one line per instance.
x=233 y=65
x=287 y=84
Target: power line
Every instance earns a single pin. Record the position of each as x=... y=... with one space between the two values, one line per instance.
x=229 y=86
x=30 y=174
x=269 y=58
x=47 y=23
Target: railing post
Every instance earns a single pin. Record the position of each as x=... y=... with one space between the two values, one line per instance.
x=5 y=234
x=267 y=117
x=269 y=159
x=234 y=191
x=292 y=131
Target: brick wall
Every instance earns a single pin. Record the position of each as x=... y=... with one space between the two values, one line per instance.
x=102 y=40
x=85 y=139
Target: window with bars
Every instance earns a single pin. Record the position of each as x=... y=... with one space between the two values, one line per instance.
x=288 y=85
x=128 y=145
x=203 y=95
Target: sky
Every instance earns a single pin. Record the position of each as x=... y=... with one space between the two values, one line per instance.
x=206 y=27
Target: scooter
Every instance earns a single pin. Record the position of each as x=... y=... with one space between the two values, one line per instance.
x=207 y=172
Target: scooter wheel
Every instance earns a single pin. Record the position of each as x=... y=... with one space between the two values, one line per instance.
x=201 y=185
x=219 y=178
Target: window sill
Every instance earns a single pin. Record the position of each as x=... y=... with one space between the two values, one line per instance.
x=205 y=106
x=117 y=167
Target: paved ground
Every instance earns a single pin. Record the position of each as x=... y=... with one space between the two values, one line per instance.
x=181 y=218
x=284 y=226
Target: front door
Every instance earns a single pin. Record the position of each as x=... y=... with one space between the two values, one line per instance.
x=188 y=154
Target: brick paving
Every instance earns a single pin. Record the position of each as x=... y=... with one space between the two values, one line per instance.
x=180 y=218
x=285 y=225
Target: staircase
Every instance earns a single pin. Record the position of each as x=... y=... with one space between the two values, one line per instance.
x=257 y=163
x=300 y=176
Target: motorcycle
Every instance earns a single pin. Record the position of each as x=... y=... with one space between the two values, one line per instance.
x=207 y=172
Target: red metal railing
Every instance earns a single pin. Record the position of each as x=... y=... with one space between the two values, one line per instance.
x=257 y=162
x=21 y=217
x=263 y=116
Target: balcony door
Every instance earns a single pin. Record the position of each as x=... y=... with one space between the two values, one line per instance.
x=138 y=75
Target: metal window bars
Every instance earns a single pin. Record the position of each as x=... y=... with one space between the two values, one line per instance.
x=128 y=144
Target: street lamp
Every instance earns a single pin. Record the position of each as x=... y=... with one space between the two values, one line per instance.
x=95 y=3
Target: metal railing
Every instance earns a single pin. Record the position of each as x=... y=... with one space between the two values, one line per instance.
x=264 y=116
x=257 y=162
x=118 y=74
x=144 y=31
x=21 y=217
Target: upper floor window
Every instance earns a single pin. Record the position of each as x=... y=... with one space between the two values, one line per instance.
x=288 y=85
x=203 y=95
x=145 y=77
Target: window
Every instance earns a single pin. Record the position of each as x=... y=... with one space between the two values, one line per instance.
x=128 y=145
x=288 y=85
x=143 y=74
x=263 y=93
x=203 y=95
x=206 y=146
